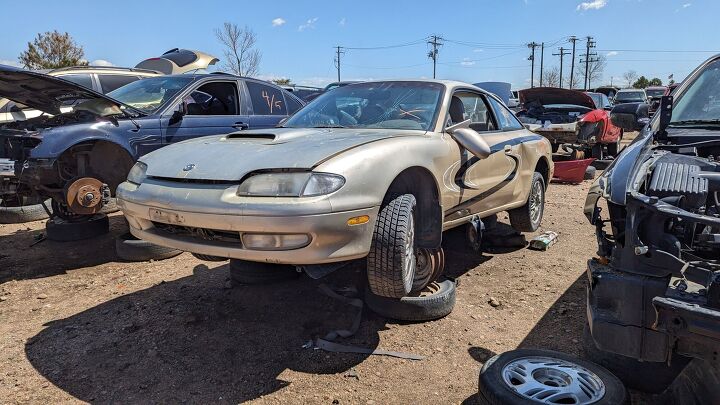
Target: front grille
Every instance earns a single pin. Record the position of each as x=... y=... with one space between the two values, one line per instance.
x=198 y=233
x=193 y=181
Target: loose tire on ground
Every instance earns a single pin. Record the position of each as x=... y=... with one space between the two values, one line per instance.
x=18 y=214
x=590 y=173
x=132 y=249
x=245 y=272
x=209 y=258
x=61 y=230
x=528 y=217
x=553 y=377
x=650 y=377
x=391 y=261
x=435 y=301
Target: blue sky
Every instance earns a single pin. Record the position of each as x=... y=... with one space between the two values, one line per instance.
x=484 y=38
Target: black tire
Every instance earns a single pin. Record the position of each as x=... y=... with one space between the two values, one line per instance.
x=18 y=214
x=650 y=377
x=436 y=301
x=525 y=218
x=390 y=270
x=132 y=249
x=245 y=272
x=494 y=390
x=209 y=258
x=554 y=147
x=612 y=148
x=590 y=173
x=60 y=230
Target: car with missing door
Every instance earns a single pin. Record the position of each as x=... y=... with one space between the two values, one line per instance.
x=373 y=170
x=85 y=143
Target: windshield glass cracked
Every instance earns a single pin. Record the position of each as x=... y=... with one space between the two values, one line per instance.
x=379 y=105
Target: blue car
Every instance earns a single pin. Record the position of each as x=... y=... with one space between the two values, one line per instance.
x=86 y=142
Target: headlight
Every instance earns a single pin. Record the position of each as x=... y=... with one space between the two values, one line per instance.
x=304 y=184
x=137 y=173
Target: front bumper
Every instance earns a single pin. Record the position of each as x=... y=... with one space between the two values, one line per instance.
x=211 y=219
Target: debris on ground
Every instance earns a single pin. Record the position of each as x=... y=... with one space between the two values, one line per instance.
x=544 y=240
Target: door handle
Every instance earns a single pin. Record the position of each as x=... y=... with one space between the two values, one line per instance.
x=508 y=148
x=241 y=125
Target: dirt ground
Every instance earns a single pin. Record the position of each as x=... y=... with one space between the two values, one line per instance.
x=78 y=325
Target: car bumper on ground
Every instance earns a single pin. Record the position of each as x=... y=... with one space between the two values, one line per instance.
x=211 y=220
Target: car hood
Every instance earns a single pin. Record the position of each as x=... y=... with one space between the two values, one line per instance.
x=231 y=157
x=43 y=92
x=552 y=95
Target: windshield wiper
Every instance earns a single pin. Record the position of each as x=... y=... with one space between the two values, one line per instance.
x=695 y=123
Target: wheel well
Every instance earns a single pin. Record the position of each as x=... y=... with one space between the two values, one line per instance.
x=106 y=161
x=543 y=168
x=419 y=182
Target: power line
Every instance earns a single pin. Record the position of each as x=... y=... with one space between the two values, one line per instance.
x=371 y=48
x=531 y=58
x=572 y=39
x=339 y=52
x=542 y=62
x=435 y=42
x=561 y=54
x=589 y=57
x=659 y=50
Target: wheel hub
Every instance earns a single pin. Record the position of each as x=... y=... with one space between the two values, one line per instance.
x=553 y=381
x=84 y=196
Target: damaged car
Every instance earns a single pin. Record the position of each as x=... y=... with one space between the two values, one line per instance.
x=85 y=142
x=578 y=120
x=373 y=171
x=653 y=295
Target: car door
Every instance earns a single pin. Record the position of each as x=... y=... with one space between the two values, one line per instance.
x=487 y=183
x=269 y=105
x=212 y=107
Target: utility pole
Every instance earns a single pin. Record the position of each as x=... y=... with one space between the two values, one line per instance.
x=573 y=39
x=531 y=58
x=435 y=42
x=561 y=54
x=588 y=58
x=542 y=62
x=338 y=52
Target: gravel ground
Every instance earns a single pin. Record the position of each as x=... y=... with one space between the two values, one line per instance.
x=78 y=325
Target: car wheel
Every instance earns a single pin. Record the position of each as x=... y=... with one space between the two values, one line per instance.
x=646 y=376
x=435 y=301
x=429 y=265
x=245 y=272
x=62 y=230
x=391 y=261
x=209 y=258
x=132 y=249
x=528 y=217
x=528 y=376
x=16 y=212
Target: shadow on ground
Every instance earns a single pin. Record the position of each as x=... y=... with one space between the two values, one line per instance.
x=23 y=257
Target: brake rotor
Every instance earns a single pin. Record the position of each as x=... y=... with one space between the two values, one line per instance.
x=84 y=195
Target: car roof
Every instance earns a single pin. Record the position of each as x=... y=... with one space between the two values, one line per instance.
x=101 y=69
x=630 y=90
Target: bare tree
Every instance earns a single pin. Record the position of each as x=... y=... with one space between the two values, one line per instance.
x=283 y=81
x=596 y=67
x=240 y=56
x=52 y=50
x=551 y=77
x=630 y=77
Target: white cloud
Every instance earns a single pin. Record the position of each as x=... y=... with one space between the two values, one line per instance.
x=101 y=62
x=478 y=50
x=10 y=62
x=278 y=22
x=467 y=62
x=592 y=5
x=309 y=24
x=686 y=5
x=612 y=53
x=342 y=22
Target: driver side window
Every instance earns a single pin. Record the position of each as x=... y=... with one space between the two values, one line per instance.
x=216 y=98
x=465 y=105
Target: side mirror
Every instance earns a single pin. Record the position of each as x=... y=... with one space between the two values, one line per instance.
x=630 y=116
x=178 y=114
x=470 y=140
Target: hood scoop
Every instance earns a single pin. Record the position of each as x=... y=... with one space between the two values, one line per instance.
x=245 y=135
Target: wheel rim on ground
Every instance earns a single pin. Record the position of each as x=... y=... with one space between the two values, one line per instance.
x=553 y=381
x=536 y=197
x=410 y=254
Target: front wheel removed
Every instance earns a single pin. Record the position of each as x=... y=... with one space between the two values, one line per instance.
x=245 y=272
x=433 y=302
x=527 y=376
x=63 y=230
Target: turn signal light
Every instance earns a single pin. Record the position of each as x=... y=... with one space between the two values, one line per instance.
x=362 y=219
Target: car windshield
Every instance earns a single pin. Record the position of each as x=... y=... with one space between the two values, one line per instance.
x=655 y=93
x=629 y=95
x=147 y=95
x=383 y=105
x=597 y=99
x=701 y=100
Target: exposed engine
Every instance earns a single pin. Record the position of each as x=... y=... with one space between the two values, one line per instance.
x=536 y=113
x=47 y=121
